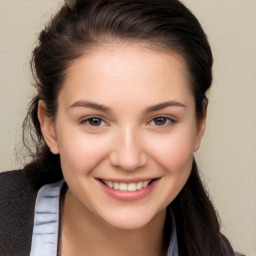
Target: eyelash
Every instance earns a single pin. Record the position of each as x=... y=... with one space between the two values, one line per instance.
x=98 y=122
x=167 y=121
x=91 y=119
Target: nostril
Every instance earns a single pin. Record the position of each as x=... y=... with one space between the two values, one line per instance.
x=128 y=162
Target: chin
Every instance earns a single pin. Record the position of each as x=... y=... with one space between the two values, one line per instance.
x=134 y=221
x=129 y=224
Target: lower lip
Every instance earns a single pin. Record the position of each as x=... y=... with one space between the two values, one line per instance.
x=129 y=195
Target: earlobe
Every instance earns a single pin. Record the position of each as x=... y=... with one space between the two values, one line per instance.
x=200 y=133
x=47 y=128
x=201 y=125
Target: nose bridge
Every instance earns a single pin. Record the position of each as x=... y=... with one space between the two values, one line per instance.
x=128 y=152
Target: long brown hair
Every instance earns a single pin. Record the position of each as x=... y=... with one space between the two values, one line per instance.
x=164 y=24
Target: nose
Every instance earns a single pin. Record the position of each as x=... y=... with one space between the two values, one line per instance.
x=129 y=152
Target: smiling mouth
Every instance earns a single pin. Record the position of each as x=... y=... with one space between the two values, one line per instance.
x=133 y=186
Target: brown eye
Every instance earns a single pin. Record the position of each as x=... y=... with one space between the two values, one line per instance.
x=161 y=120
x=95 y=121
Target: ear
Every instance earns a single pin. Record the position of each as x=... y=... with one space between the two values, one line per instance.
x=47 y=127
x=201 y=125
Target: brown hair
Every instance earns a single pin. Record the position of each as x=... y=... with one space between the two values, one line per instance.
x=165 y=24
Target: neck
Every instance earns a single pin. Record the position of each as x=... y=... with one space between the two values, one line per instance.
x=84 y=233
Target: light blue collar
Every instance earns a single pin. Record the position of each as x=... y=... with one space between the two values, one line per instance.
x=46 y=223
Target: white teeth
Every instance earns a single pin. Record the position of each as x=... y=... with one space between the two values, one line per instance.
x=123 y=186
x=131 y=187
x=109 y=183
x=145 y=183
x=127 y=186
x=116 y=185
x=139 y=185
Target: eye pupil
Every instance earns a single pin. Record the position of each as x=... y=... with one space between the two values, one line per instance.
x=160 y=120
x=95 y=121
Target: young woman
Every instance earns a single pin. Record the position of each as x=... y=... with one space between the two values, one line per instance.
x=119 y=112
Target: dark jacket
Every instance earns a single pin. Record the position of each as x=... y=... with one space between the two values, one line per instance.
x=17 y=201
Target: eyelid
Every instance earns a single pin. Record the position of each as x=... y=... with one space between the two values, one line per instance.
x=84 y=120
x=171 y=119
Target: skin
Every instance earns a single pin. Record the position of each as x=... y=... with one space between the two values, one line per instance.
x=126 y=141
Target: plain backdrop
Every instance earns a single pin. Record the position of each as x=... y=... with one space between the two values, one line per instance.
x=227 y=157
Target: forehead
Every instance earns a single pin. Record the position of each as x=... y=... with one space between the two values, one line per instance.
x=127 y=72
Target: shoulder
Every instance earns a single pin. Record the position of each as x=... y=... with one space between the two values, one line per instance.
x=15 y=185
x=17 y=200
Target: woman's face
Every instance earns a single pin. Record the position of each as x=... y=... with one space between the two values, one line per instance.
x=126 y=130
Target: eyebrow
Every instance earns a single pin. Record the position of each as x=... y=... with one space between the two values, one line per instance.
x=88 y=104
x=163 y=105
x=100 y=107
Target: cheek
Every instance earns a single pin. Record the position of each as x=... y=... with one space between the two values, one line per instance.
x=177 y=162
x=176 y=159
x=175 y=152
x=80 y=154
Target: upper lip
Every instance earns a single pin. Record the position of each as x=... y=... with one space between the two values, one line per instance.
x=134 y=180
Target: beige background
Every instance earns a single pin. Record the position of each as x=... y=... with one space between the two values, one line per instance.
x=228 y=153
